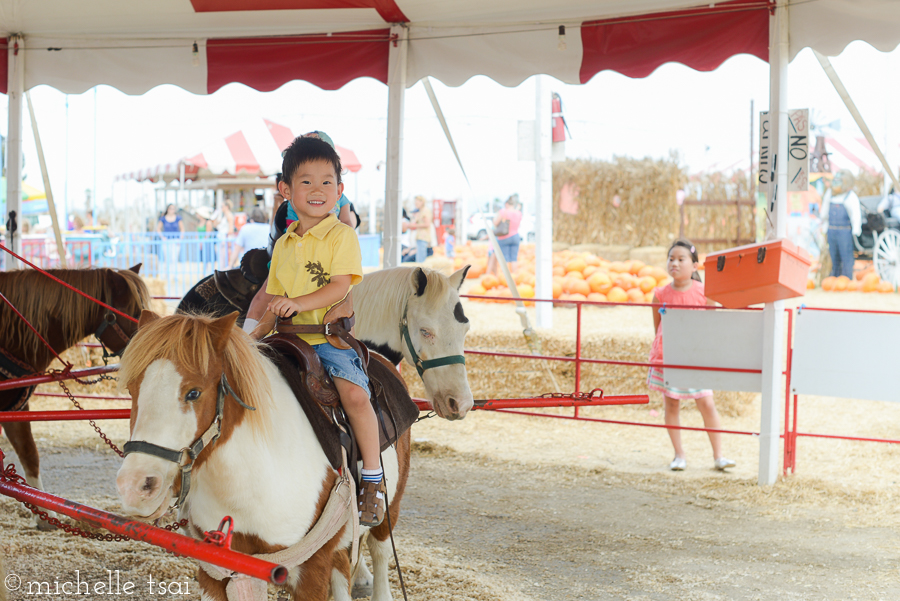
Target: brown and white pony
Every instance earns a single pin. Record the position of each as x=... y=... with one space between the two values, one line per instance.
x=63 y=318
x=266 y=469
x=428 y=302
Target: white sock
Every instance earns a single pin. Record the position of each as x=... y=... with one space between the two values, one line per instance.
x=250 y=324
x=373 y=476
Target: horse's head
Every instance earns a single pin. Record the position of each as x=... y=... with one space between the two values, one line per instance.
x=129 y=294
x=174 y=369
x=437 y=327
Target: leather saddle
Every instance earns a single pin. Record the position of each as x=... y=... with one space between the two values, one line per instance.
x=300 y=366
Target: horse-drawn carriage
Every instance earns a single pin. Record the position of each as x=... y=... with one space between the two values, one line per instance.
x=879 y=241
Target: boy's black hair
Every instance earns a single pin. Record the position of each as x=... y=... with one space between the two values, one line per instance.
x=307 y=150
x=685 y=243
x=278 y=179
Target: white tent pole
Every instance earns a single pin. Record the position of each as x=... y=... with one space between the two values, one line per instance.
x=393 y=194
x=16 y=91
x=773 y=313
x=54 y=216
x=851 y=106
x=543 y=202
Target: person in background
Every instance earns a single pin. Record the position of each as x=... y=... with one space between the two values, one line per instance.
x=840 y=210
x=171 y=226
x=207 y=252
x=890 y=205
x=223 y=219
x=422 y=224
x=509 y=243
x=254 y=234
x=278 y=199
x=685 y=289
x=450 y=243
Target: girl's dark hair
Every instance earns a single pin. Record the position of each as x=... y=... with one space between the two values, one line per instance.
x=687 y=244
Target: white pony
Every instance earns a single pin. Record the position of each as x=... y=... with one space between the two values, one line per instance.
x=428 y=302
x=265 y=468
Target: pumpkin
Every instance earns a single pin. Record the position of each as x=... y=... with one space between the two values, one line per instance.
x=490 y=281
x=576 y=264
x=600 y=282
x=885 y=287
x=617 y=295
x=596 y=297
x=647 y=284
x=870 y=282
x=828 y=283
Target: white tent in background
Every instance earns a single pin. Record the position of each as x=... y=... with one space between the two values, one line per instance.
x=201 y=45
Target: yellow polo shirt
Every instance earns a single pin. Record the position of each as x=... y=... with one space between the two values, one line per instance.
x=303 y=264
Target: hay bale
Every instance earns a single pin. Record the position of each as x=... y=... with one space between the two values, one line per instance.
x=624 y=201
x=657 y=256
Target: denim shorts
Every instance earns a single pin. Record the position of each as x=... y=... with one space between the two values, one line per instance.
x=510 y=247
x=342 y=363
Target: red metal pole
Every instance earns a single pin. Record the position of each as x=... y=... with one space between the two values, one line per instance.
x=624 y=423
x=56 y=377
x=578 y=353
x=140 y=531
x=95 y=397
x=794 y=438
x=542 y=403
x=788 y=440
x=61 y=416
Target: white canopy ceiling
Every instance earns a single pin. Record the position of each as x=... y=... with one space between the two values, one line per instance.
x=136 y=45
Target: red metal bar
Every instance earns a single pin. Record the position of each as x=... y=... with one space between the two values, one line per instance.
x=140 y=531
x=624 y=423
x=60 y=416
x=56 y=377
x=794 y=442
x=848 y=310
x=546 y=402
x=578 y=353
x=609 y=362
x=857 y=438
x=96 y=397
x=788 y=440
x=609 y=303
x=70 y=287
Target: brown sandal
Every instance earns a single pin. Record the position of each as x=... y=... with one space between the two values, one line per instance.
x=370 y=501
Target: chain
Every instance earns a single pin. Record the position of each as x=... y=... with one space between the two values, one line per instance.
x=593 y=395
x=90 y=421
x=9 y=474
x=99 y=379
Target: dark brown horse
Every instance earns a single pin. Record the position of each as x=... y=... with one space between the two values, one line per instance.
x=63 y=317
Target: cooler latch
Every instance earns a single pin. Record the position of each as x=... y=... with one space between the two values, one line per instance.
x=720 y=263
x=761 y=254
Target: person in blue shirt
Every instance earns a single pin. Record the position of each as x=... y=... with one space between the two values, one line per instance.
x=254 y=234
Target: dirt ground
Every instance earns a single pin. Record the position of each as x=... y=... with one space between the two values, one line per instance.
x=508 y=507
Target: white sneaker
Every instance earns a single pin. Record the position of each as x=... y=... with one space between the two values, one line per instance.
x=722 y=464
x=678 y=464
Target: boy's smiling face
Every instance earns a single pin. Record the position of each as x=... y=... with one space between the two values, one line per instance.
x=313 y=191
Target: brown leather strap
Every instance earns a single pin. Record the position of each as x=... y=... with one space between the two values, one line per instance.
x=344 y=323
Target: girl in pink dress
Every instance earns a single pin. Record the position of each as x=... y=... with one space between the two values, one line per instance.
x=685 y=289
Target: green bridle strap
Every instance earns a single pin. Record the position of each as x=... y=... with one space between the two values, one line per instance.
x=421 y=366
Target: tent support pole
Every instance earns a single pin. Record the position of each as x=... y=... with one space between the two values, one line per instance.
x=543 y=202
x=16 y=91
x=773 y=313
x=393 y=185
x=54 y=216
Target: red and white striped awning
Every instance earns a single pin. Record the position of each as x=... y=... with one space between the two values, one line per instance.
x=202 y=45
x=851 y=152
x=254 y=151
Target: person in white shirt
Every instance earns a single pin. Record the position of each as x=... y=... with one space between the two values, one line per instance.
x=254 y=234
x=840 y=209
x=891 y=204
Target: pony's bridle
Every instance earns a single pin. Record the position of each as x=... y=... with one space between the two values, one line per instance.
x=109 y=326
x=185 y=457
x=421 y=366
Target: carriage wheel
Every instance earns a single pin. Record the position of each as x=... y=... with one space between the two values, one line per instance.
x=887 y=256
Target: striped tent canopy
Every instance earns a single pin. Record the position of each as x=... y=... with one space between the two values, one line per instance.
x=202 y=45
x=254 y=151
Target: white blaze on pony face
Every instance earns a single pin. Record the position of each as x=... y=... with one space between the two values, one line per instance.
x=144 y=482
x=440 y=331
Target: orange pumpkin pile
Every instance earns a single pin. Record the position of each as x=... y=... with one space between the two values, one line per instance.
x=576 y=276
x=865 y=281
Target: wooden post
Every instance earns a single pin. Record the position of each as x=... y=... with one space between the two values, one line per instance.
x=54 y=218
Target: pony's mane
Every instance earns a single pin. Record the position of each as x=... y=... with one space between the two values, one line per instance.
x=39 y=299
x=186 y=340
x=391 y=288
